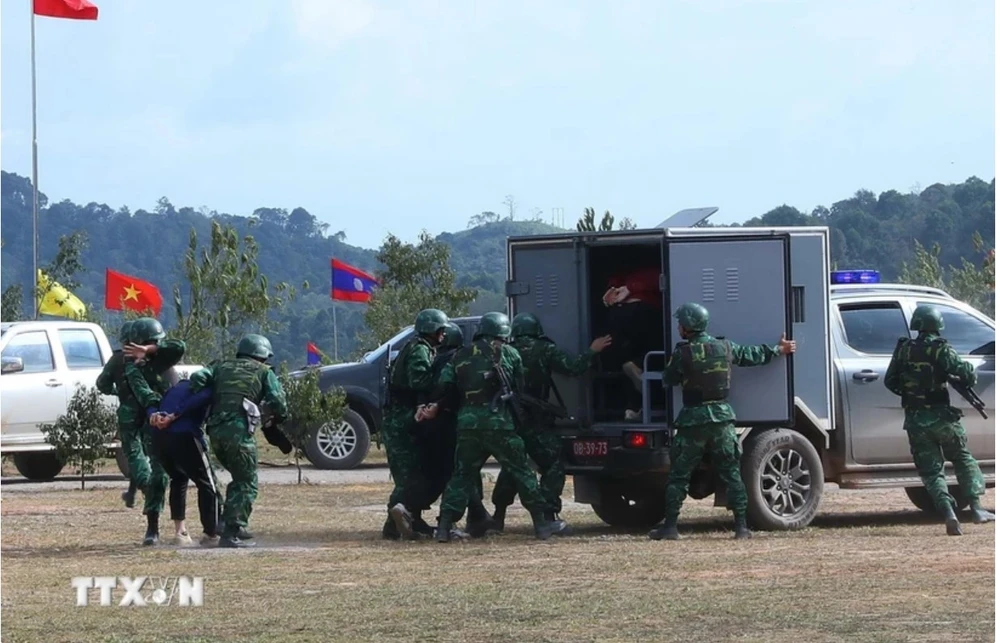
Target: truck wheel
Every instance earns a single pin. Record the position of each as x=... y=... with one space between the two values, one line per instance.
x=340 y=445
x=921 y=499
x=40 y=467
x=122 y=459
x=631 y=506
x=784 y=479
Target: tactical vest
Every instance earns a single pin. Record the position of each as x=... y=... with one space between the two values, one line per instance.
x=236 y=379
x=924 y=384
x=707 y=368
x=125 y=394
x=536 y=371
x=400 y=391
x=440 y=359
x=474 y=374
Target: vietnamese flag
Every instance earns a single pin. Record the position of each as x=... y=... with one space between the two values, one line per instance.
x=122 y=291
x=72 y=9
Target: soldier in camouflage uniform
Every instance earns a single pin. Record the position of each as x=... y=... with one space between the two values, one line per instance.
x=411 y=379
x=702 y=365
x=919 y=373
x=106 y=385
x=239 y=387
x=485 y=425
x=541 y=357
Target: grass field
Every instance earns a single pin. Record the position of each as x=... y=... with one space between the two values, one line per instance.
x=870 y=569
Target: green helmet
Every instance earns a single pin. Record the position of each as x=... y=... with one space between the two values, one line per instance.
x=147 y=329
x=430 y=320
x=125 y=334
x=494 y=325
x=526 y=325
x=453 y=336
x=927 y=319
x=256 y=346
x=693 y=317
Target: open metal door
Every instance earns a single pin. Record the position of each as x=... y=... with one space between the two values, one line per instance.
x=544 y=278
x=745 y=283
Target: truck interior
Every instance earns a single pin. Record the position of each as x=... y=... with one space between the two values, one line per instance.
x=638 y=328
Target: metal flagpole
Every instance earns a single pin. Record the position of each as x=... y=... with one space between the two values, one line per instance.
x=336 y=357
x=34 y=171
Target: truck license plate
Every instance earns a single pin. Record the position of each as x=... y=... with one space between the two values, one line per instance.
x=590 y=448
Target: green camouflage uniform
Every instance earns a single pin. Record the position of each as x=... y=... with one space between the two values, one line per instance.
x=410 y=381
x=135 y=386
x=919 y=373
x=483 y=432
x=541 y=357
x=702 y=366
x=232 y=381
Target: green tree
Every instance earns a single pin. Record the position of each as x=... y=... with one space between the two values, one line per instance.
x=80 y=435
x=974 y=284
x=587 y=222
x=13 y=298
x=308 y=408
x=414 y=277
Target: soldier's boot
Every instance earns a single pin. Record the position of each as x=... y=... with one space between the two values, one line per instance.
x=152 y=529
x=232 y=541
x=499 y=515
x=420 y=526
x=128 y=497
x=667 y=530
x=951 y=521
x=479 y=521
x=389 y=531
x=742 y=531
x=444 y=529
x=980 y=515
x=241 y=533
x=566 y=530
x=404 y=521
x=545 y=528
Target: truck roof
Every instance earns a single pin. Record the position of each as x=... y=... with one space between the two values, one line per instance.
x=46 y=323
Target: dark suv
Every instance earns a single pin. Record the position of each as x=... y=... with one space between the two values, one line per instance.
x=345 y=445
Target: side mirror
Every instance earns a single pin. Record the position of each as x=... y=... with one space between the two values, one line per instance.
x=11 y=365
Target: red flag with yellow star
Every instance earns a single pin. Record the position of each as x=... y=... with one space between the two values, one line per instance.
x=122 y=291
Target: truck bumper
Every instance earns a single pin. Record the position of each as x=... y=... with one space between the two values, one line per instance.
x=619 y=460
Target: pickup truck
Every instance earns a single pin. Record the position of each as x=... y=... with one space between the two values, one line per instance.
x=43 y=362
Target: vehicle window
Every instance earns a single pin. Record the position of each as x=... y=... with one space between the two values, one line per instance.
x=80 y=348
x=873 y=328
x=963 y=331
x=33 y=349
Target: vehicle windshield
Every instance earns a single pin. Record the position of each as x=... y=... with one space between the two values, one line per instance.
x=374 y=355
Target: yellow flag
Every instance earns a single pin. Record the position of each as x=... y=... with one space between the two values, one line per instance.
x=58 y=301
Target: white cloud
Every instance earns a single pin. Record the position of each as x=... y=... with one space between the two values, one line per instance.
x=327 y=24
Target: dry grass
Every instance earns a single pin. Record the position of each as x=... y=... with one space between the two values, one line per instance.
x=870 y=569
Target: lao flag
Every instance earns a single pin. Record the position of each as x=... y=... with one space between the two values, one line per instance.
x=312 y=354
x=351 y=284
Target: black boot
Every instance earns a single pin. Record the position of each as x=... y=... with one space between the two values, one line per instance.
x=499 y=515
x=565 y=530
x=389 y=531
x=667 y=530
x=152 y=529
x=128 y=497
x=742 y=531
x=545 y=528
x=980 y=515
x=479 y=521
x=443 y=533
x=233 y=541
x=951 y=521
x=421 y=527
x=403 y=519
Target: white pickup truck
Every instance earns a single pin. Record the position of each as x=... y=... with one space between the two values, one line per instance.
x=43 y=362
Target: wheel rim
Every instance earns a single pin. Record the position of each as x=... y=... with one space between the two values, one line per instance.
x=337 y=441
x=786 y=482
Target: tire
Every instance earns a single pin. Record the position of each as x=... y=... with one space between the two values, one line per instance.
x=921 y=499
x=783 y=474
x=40 y=466
x=631 y=505
x=340 y=447
x=122 y=459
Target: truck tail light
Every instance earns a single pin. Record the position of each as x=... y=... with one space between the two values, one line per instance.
x=636 y=440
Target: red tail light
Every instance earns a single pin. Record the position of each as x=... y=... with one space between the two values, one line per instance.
x=637 y=440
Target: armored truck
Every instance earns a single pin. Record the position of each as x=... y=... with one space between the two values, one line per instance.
x=820 y=416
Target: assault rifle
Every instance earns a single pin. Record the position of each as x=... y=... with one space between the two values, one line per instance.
x=516 y=400
x=970 y=396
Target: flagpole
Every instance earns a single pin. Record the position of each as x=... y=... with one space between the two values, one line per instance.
x=336 y=356
x=34 y=171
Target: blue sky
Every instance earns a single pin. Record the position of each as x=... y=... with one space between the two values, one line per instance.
x=382 y=116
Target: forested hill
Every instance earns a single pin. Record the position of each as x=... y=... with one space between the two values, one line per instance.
x=869 y=231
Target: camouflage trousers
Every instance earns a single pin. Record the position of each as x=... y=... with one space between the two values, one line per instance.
x=930 y=446
x=473 y=447
x=236 y=450
x=144 y=468
x=544 y=448
x=689 y=446
x=403 y=452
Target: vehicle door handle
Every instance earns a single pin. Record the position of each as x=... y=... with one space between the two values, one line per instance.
x=53 y=383
x=866 y=376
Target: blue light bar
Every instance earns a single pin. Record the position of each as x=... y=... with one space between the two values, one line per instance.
x=855 y=277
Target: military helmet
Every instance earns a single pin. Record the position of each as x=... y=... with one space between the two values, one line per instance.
x=147 y=329
x=453 y=336
x=494 y=325
x=526 y=325
x=430 y=320
x=256 y=346
x=927 y=319
x=125 y=334
x=693 y=317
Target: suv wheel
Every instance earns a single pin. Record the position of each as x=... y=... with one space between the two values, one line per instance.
x=340 y=445
x=784 y=478
x=633 y=506
x=921 y=499
x=41 y=466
